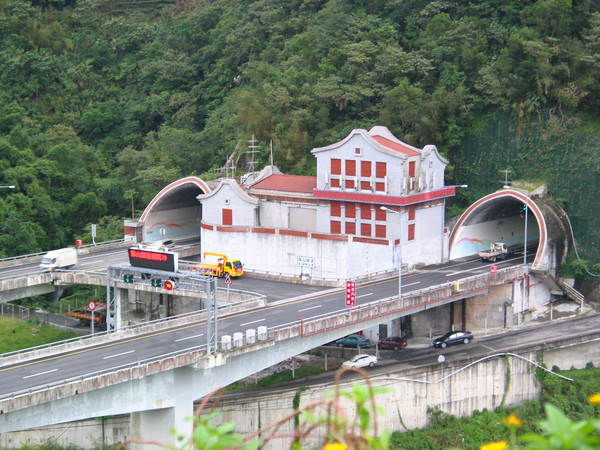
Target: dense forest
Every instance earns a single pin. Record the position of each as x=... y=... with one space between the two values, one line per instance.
x=104 y=103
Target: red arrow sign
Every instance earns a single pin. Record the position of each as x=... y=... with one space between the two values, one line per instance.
x=350 y=293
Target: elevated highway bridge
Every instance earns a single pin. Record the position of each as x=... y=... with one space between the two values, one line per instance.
x=155 y=372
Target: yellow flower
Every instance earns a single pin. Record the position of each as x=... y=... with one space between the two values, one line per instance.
x=498 y=445
x=512 y=421
x=594 y=399
x=335 y=446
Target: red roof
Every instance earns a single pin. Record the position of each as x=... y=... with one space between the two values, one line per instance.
x=287 y=183
x=395 y=146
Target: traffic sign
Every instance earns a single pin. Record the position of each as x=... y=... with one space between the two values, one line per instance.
x=91 y=305
x=350 y=293
x=227 y=278
x=151 y=259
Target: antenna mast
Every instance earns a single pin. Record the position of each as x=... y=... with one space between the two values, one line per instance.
x=252 y=151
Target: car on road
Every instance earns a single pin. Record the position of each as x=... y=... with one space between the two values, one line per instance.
x=392 y=343
x=353 y=340
x=453 y=337
x=361 y=361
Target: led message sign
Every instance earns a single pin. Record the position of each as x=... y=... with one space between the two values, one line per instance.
x=150 y=259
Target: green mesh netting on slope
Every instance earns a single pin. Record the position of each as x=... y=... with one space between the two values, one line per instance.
x=565 y=156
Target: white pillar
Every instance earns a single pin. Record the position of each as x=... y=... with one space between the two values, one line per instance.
x=155 y=425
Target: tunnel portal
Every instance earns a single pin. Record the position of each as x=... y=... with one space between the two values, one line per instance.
x=175 y=212
x=508 y=216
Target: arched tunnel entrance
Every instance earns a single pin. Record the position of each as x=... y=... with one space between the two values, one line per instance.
x=507 y=216
x=175 y=212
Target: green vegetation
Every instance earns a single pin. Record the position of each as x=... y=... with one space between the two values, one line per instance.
x=104 y=103
x=19 y=334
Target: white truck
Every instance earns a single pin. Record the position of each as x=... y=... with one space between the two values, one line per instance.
x=59 y=259
x=497 y=250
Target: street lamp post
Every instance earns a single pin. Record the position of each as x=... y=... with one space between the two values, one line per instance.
x=7 y=187
x=383 y=208
x=526 y=209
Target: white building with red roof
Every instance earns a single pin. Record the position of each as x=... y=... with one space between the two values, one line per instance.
x=332 y=226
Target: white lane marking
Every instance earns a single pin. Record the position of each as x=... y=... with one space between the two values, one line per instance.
x=411 y=284
x=189 y=337
x=41 y=373
x=364 y=295
x=312 y=307
x=118 y=354
x=461 y=272
x=249 y=323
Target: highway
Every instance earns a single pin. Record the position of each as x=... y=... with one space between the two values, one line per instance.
x=93 y=262
x=277 y=313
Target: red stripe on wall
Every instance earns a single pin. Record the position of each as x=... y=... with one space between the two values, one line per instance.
x=385 y=199
x=233 y=229
x=294 y=233
x=263 y=230
x=328 y=237
x=370 y=240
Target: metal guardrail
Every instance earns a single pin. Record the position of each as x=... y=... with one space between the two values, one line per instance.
x=308 y=277
x=572 y=293
x=8 y=310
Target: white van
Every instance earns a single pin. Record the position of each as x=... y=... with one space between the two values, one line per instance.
x=59 y=259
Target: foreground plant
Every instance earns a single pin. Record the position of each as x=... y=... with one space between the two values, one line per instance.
x=557 y=432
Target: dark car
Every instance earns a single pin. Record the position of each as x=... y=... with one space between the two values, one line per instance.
x=353 y=340
x=392 y=343
x=453 y=337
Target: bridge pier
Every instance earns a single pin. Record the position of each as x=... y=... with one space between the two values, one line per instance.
x=169 y=426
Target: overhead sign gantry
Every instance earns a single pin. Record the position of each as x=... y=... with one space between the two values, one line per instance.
x=155 y=271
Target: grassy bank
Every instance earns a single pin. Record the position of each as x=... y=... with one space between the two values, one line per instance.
x=19 y=334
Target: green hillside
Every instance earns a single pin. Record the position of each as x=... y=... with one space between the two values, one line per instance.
x=104 y=103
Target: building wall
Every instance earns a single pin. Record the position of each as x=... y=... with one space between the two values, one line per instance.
x=226 y=197
x=290 y=215
x=336 y=255
x=277 y=250
x=395 y=165
x=432 y=170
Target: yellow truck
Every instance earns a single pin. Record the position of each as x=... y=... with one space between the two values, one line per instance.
x=218 y=264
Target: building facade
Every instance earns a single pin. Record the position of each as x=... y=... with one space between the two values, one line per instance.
x=376 y=202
